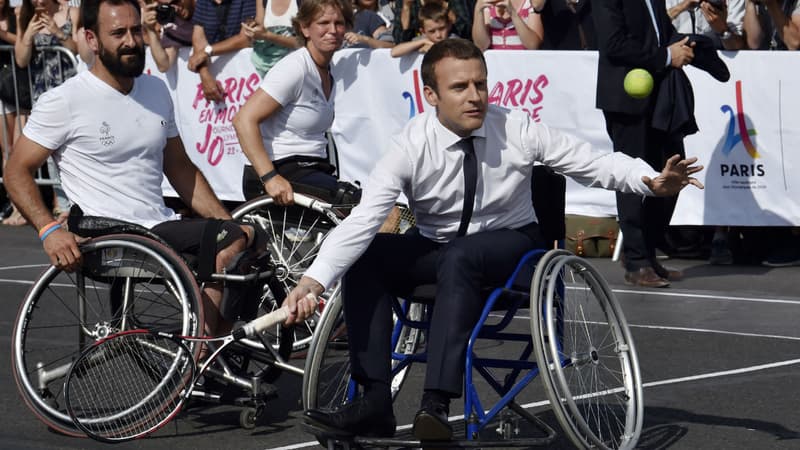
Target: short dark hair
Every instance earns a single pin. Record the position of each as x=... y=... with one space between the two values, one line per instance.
x=91 y=8
x=454 y=48
x=433 y=11
x=310 y=9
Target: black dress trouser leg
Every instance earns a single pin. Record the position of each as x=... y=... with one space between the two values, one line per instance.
x=643 y=220
x=394 y=265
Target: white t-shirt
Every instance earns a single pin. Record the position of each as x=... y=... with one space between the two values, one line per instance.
x=298 y=128
x=109 y=147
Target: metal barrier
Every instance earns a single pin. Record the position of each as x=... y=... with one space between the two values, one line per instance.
x=66 y=67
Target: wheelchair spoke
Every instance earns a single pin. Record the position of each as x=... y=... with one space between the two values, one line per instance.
x=295 y=234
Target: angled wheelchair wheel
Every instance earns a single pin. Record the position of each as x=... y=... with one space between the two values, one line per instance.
x=295 y=234
x=326 y=380
x=585 y=353
x=125 y=282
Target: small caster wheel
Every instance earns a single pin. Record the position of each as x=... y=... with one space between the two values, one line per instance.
x=49 y=399
x=247 y=418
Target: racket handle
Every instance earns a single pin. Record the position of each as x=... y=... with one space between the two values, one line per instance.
x=273 y=318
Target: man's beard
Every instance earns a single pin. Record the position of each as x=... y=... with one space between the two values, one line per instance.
x=116 y=66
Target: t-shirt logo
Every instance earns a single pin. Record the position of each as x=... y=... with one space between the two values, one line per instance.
x=106 y=138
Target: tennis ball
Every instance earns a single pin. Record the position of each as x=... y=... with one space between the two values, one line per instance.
x=638 y=83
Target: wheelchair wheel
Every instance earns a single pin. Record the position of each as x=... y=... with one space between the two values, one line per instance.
x=125 y=282
x=326 y=380
x=295 y=233
x=585 y=353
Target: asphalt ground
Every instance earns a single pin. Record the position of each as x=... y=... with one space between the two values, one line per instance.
x=719 y=355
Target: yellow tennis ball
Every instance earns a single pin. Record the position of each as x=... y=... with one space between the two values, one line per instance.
x=638 y=83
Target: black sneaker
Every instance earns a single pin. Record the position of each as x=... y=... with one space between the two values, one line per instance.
x=786 y=256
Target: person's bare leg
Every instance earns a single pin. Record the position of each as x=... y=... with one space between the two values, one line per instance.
x=215 y=324
x=13 y=134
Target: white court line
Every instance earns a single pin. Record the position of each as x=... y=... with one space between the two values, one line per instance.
x=26 y=266
x=706 y=296
x=687 y=329
x=704 y=330
x=645 y=385
x=11 y=281
x=4 y=280
x=616 y=291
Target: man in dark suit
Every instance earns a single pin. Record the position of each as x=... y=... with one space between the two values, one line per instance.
x=638 y=34
x=465 y=166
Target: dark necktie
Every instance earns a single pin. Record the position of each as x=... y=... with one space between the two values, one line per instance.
x=655 y=5
x=470 y=182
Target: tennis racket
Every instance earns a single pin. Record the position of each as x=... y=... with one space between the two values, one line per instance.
x=132 y=383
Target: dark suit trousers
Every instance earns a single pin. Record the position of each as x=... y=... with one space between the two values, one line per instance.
x=643 y=220
x=395 y=264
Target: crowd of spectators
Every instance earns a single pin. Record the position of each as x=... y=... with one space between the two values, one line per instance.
x=217 y=27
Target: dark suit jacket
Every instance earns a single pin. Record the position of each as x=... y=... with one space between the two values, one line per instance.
x=626 y=40
x=564 y=27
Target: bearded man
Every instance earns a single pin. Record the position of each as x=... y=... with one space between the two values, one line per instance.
x=112 y=133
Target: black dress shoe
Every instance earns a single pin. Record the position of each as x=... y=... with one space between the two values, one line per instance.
x=430 y=423
x=359 y=417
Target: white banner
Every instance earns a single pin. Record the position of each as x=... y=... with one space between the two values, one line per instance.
x=206 y=128
x=748 y=141
x=748 y=175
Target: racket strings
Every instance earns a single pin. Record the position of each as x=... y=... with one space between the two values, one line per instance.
x=129 y=385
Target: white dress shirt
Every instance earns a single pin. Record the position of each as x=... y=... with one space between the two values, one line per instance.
x=425 y=163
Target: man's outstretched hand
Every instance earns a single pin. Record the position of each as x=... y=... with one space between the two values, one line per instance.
x=676 y=175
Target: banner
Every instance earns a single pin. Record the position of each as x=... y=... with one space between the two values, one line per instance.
x=206 y=128
x=748 y=142
x=746 y=138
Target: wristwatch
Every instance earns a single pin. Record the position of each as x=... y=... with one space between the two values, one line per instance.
x=725 y=35
x=208 y=50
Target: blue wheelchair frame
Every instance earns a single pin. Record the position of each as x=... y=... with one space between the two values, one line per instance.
x=512 y=384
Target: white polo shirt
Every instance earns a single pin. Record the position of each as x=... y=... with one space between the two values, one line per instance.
x=425 y=163
x=298 y=128
x=109 y=147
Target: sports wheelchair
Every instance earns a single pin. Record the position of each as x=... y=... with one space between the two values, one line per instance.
x=131 y=279
x=296 y=233
x=576 y=338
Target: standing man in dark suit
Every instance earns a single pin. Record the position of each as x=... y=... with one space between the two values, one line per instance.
x=631 y=34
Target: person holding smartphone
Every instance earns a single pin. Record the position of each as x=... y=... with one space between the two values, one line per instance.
x=721 y=20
